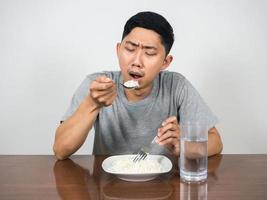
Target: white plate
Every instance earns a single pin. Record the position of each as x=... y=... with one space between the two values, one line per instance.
x=165 y=163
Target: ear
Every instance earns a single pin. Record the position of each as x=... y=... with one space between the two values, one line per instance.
x=118 y=48
x=167 y=61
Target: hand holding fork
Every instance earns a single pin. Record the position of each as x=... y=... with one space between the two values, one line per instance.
x=168 y=135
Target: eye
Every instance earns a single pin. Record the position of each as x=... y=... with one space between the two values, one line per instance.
x=151 y=54
x=129 y=49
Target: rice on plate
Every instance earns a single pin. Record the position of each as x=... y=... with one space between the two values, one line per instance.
x=127 y=165
x=124 y=168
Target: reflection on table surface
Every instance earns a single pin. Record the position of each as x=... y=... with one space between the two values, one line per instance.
x=75 y=181
x=194 y=191
x=81 y=177
x=117 y=189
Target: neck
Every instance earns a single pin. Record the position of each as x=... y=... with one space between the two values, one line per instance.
x=138 y=94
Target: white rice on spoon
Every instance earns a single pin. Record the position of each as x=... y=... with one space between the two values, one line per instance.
x=131 y=84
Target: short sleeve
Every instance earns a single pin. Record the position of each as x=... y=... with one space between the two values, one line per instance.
x=193 y=108
x=81 y=92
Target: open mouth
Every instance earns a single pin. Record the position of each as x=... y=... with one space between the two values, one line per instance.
x=135 y=75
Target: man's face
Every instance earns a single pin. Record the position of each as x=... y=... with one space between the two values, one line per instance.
x=142 y=56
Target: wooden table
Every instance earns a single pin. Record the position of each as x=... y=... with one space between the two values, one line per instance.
x=81 y=177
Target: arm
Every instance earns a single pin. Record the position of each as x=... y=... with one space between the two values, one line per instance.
x=215 y=145
x=71 y=134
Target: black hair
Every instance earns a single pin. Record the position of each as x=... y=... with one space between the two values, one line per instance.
x=154 y=22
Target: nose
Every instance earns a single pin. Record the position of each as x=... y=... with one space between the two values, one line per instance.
x=137 y=61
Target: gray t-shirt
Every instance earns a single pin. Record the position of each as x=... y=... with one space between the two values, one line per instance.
x=125 y=126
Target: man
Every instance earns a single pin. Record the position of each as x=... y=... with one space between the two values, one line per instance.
x=124 y=120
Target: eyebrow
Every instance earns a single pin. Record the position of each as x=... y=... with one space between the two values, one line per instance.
x=143 y=46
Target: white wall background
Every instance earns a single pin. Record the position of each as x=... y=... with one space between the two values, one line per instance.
x=47 y=48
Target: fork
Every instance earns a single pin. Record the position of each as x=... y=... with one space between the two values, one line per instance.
x=142 y=153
